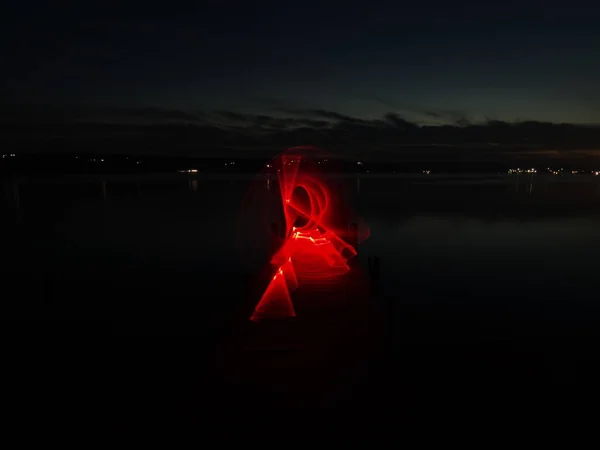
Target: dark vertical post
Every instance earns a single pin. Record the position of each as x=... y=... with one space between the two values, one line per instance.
x=531 y=184
x=374 y=268
x=353 y=235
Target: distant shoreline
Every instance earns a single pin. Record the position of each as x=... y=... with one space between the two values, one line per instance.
x=441 y=178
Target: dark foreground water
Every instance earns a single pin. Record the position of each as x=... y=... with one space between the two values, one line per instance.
x=488 y=294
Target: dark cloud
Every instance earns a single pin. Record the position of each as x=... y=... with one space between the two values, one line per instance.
x=323 y=114
x=443 y=113
x=332 y=115
x=444 y=116
x=398 y=121
x=392 y=134
x=463 y=122
x=268 y=122
x=314 y=123
x=143 y=113
x=28 y=113
x=422 y=116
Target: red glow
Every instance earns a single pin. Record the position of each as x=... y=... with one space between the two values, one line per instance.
x=276 y=301
x=315 y=226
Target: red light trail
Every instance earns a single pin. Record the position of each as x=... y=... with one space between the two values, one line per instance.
x=315 y=224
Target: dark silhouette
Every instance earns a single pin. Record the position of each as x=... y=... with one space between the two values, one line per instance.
x=151 y=130
x=374 y=268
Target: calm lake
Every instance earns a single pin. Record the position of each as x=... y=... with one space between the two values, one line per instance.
x=489 y=286
x=521 y=249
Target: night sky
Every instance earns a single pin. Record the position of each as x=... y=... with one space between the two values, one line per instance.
x=438 y=62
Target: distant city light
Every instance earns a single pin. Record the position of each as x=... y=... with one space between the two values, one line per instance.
x=519 y=170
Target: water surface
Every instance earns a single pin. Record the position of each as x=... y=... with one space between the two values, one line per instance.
x=522 y=250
